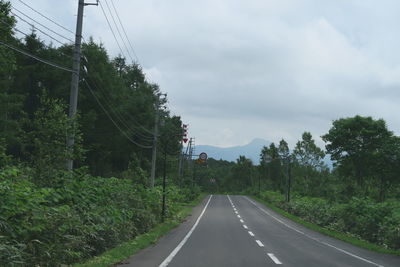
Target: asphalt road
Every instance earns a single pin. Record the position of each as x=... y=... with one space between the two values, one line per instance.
x=238 y=231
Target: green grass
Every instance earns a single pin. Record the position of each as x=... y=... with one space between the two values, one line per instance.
x=341 y=236
x=127 y=249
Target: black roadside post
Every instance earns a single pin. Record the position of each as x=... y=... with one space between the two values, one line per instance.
x=164 y=184
x=288 y=179
x=267 y=159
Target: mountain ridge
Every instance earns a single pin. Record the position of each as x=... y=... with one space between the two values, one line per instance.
x=251 y=150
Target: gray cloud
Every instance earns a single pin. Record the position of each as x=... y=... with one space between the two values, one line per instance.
x=236 y=70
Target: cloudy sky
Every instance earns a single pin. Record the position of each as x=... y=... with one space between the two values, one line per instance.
x=236 y=70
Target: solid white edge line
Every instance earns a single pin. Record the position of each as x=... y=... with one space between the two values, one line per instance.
x=313 y=238
x=275 y=259
x=180 y=245
x=251 y=233
x=259 y=243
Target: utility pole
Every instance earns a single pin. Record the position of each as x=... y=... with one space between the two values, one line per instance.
x=181 y=155
x=288 y=178
x=155 y=139
x=180 y=162
x=73 y=99
x=191 y=153
x=185 y=155
x=154 y=156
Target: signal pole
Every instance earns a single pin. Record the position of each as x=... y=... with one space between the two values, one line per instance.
x=154 y=155
x=155 y=138
x=181 y=155
x=73 y=99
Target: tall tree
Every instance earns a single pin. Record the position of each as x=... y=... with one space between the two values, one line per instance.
x=307 y=153
x=308 y=164
x=353 y=141
x=273 y=169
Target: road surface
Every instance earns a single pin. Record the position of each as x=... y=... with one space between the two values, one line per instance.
x=238 y=231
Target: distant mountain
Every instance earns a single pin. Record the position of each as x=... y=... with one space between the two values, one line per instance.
x=251 y=151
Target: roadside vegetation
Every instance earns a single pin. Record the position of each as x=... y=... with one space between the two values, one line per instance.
x=51 y=217
x=357 y=197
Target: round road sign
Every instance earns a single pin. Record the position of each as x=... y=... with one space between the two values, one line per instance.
x=267 y=158
x=203 y=156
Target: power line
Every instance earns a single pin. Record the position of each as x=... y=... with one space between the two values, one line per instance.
x=36 y=57
x=119 y=33
x=118 y=115
x=34 y=27
x=137 y=126
x=49 y=19
x=112 y=31
x=115 y=124
x=27 y=35
x=47 y=28
x=123 y=29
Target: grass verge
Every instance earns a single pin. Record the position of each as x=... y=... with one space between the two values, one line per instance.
x=127 y=249
x=341 y=236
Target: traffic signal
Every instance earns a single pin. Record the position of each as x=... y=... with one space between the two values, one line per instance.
x=185 y=133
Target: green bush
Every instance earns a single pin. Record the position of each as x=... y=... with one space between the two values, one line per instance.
x=375 y=222
x=82 y=218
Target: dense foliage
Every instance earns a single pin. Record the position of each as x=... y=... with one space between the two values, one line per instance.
x=376 y=222
x=87 y=215
x=358 y=195
x=50 y=217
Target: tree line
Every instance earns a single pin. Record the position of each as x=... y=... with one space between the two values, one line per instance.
x=52 y=217
x=116 y=108
x=365 y=155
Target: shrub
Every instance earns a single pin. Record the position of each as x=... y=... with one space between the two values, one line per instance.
x=362 y=217
x=83 y=217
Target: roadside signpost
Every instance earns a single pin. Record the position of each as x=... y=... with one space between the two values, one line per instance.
x=203 y=156
x=267 y=159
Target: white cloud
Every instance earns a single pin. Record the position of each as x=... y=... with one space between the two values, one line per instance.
x=236 y=70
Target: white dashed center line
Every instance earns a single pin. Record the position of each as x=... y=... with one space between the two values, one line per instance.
x=271 y=255
x=259 y=243
x=275 y=259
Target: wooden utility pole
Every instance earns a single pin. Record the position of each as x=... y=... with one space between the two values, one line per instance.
x=154 y=155
x=73 y=99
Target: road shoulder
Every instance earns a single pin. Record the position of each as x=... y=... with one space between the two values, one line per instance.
x=155 y=254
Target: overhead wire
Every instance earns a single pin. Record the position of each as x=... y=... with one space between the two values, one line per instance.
x=27 y=35
x=123 y=29
x=120 y=35
x=118 y=115
x=36 y=28
x=44 y=16
x=112 y=120
x=118 y=31
x=47 y=28
x=112 y=31
x=35 y=57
